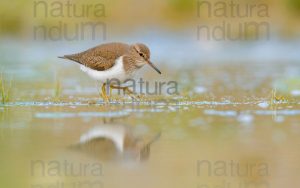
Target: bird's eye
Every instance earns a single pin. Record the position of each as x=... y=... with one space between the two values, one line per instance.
x=141 y=54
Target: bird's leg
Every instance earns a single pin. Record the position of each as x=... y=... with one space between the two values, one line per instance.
x=125 y=89
x=144 y=147
x=110 y=90
x=103 y=93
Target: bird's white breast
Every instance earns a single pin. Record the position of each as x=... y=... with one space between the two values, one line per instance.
x=117 y=71
x=115 y=133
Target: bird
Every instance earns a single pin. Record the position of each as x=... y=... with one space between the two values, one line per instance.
x=113 y=61
x=115 y=142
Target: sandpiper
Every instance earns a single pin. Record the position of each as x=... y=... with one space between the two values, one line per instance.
x=116 y=141
x=113 y=61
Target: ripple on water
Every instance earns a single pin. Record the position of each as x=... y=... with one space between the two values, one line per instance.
x=295 y=93
x=278 y=112
x=226 y=113
x=200 y=89
x=263 y=104
x=85 y=102
x=58 y=115
x=245 y=118
x=44 y=103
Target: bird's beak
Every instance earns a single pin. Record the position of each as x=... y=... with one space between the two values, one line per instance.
x=154 y=67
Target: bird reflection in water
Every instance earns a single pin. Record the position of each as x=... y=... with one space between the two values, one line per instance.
x=116 y=142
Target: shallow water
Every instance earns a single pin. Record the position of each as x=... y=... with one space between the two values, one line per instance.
x=223 y=129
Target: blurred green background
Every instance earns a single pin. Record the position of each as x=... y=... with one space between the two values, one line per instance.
x=17 y=17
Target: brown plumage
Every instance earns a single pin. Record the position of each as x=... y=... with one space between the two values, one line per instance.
x=101 y=57
x=104 y=56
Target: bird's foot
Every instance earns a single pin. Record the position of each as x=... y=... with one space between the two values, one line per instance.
x=126 y=90
x=131 y=94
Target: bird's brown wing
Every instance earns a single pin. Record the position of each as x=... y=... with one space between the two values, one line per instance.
x=97 y=63
x=103 y=57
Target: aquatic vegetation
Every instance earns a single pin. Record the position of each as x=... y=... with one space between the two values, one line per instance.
x=5 y=90
x=57 y=90
x=277 y=98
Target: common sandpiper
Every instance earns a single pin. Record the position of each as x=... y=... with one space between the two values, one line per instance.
x=113 y=61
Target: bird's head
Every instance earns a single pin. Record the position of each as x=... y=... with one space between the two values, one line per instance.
x=141 y=55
